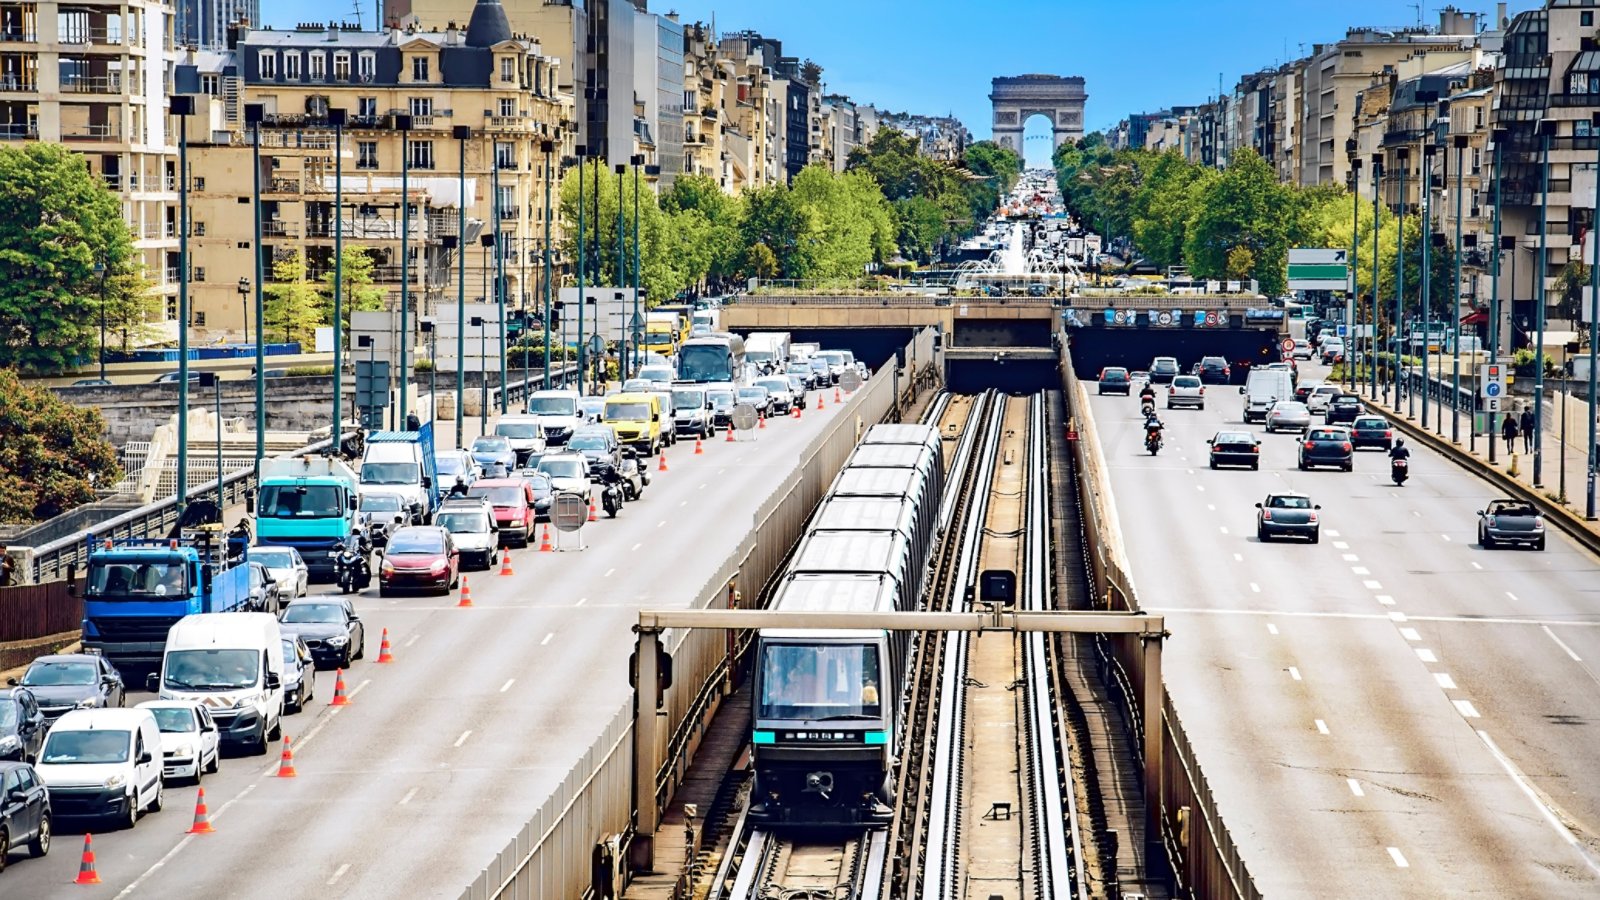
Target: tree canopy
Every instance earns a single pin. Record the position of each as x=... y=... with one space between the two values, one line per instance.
x=49 y=451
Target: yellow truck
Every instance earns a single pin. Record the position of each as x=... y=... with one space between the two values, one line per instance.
x=637 y=419
x=664 y=331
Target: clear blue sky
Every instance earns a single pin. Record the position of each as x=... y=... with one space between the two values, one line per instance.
x=937 y=56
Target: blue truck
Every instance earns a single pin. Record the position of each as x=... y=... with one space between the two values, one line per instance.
x=138 y=588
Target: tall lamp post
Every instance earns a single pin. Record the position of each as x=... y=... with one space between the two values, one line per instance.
x=1547 y=130
x=1377 y=176
x=182 y=106
x=338 y=118
x=100 y=272
x=213 y=380
x=1497 y=137
x=1425 y=185
x=1594 y=328
x=402 y=124
x=1460 y=142
x=462 y=134
x=1353 y=316
x=1404 y=155
x=583 y=155
x=479 y=323
x=253 y=114
x=500 y=277
x=547 y=148
x=432 y=331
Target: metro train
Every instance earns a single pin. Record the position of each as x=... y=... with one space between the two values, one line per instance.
x=827 y=707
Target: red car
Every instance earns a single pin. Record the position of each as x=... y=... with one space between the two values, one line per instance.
x=513 y=501
x=419 y=558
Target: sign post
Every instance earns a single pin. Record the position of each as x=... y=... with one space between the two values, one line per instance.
x=568 y=513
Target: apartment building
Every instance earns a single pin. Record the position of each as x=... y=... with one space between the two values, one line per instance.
x=204 y=24
x=841 y=131
x=709 y=92
x=94 y=77
x=501 y=89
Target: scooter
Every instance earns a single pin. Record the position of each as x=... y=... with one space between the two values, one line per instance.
x=353 y=571
x=1146 y=408
x=611 y=493
x=1399 y=470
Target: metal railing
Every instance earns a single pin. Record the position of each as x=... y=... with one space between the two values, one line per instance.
x=17 y=132
x=92 y=84
x=101 y=132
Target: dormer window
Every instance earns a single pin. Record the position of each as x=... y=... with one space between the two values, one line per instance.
x=291 y=67
x=269 y=65
x=508 y=69
x=341 y=66
x=419 y=68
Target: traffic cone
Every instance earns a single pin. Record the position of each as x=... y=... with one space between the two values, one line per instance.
x=821 y=395
x=202 y=818
x=86 y=872
x=286 y=762
x=661 y=461
x=505 y=562
x=797 y=410
x=384 y=656
x=466 y=593
x=544 y=542
x=836 y=395
x=698 y=449
x=339 y=699
x=761 y=421
x=730 y=433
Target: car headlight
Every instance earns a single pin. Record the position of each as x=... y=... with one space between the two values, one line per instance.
x=10 y=742
x=439 y=567
x=116 y=781
x=338 y=640
x=388 y=567
x=183 y=753
x=89 y=703
x=246 y=701
x=516 y=522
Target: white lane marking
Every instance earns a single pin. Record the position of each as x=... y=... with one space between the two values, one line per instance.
x=581 y=601
x=412 y=640
x=507 y=686
x=1512 y=596
x=662 y=524
x=1386 y=600
x=1371 y=585
x=683 y=503
x=637 y=546
x=1191 y=471
x=1294 y=673
x=1332 y=533
x=463 y=739
x=1444 y=680
x=720 y=471
x=1416 y=513
x=1211 y=506
x=1426 y=655
x=1255 y=587
x=1544 y=810
x=1341 y=545
x=1410 y=634
x=1562 y=644
x=351 y=696
x=1350 y=557
x=547 y=638
x=1355 y=787
x=1238 y=557
x=1360 y=570
x=409 y=794
x=1322 y=727
x=1397 y=617
x=1466 y=709
x=1399 y=858
x=702 y=487
x=1475 y=564
x=339 y=873
x=608 y=573
x=1224 y=528
x=1271 y=628
x=1445 y=536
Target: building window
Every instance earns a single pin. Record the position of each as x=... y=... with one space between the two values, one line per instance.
x=508 y=69
x=508 y=107
x=199 y=273
x=268 y=63
x=172 y=309
x=211 y=85
x=421 y=153
x=1581 y=128
x=1477 y=160
x=367 y=107
x=367 y=67
x=422 y=107
x=199 y=227
x=317 y=66
x=508 y=200
x=505 y=155
x=341 y=66
x=419 y=68
x=291 y=67
x=1586 y=19
x=366 y=154
x=199 y=316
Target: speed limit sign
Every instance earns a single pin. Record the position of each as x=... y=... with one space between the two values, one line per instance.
x=1288 y=345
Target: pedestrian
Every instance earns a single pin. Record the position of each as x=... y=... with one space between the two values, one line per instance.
x=1509 y=430
x=1527 y=426
x=412 y=422
x=8 y=568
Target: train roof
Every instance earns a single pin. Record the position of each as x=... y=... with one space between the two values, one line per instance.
x=832 y=593
x=868 y=481
x=890 y=456
x=850 y=551
x=864 y=514
x=902 y=433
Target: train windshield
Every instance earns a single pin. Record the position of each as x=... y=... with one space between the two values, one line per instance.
x=820 y=682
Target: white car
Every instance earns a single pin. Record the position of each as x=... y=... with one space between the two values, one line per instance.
x=189 y=738
x=288 y=570
x=103 y=764
x=1302 y=350
x=569 y=473
x=1321 y=395
x=472 y=523
x=1288 y=415
x=1186 y=390
x=781 y=392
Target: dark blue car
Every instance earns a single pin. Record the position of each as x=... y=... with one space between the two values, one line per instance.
x=493 y=450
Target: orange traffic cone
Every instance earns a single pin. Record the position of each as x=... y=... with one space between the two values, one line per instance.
x=86 y=872
x=661 y=462
x=286 y=762
x=797 y=410
x=761 y=421
x=592 y=516
x=697 y=448
x=505 y=562
x=339 y=699
x=544 y=542
x=821 y=395
x=384 y=656
x=836 y=395
x=466 y=593
x=730 y=433
x=202 y=818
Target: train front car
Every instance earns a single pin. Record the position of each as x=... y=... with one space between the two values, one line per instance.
x=824 y=709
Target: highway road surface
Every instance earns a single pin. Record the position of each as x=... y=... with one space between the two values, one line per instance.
x=443 y=755
x=1392 y=712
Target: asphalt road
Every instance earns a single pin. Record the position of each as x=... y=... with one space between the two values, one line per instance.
x=443 y=755
x=1392 y=712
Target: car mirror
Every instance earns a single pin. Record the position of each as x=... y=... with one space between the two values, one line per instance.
x=14 y=681
x=427 y=482
x=145 y=757
x=1258 y=506
x=1241 y=388
x=1211 y=441
x=273 y=681
x=1317 y=506
x=11 y=681
x=152 y=682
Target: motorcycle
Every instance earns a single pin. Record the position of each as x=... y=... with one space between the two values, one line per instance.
x=1399 y=470
x=1146 y=408
x=611 y=492
x=1152 y=441
x=352 y=569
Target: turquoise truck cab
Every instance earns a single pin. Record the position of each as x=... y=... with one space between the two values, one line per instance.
x=308 y=503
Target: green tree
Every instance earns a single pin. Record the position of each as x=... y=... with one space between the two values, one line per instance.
x=1240 y=262
x=774 y=220
x=1569 y=285
x=1245 y=207
x=360 y=295
x=294 y=305
x=57 y=220
x=761 y=262
x=52 y=454
x=987 y=159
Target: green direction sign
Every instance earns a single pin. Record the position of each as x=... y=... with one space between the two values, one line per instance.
x=1312 y=269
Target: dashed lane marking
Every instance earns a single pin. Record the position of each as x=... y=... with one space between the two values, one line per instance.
x=339 y=873
x=1238 y=557
x=1445 y=536
x=1475 y=564
x=581 y=601
x=547 y=638
x=1341 y=545
x=507 y=686
x=1399 y=858
x=1271 y=628
x=1294 y=673
x=1397 y=617
x=411 y=640
x=1350 y=557
x=1255 y=587
x=1410 y=634
x=1360 y=570
x=1371 y=585
x=1224 y=528
x=608 y=573
x=636 y=547
x=351 y=695
x=1426 y=655
x=1355 y=787
x=409 y=794
x=1322 y=727
x=1444 y=680
x=463 y=739
x=1385 y=599
x=1562 y=644
x=1466 y=709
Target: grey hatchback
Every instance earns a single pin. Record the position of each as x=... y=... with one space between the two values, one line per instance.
x=1287 y=515
x=1510 y=521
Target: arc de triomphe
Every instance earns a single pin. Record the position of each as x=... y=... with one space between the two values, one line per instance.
x=1017 y=98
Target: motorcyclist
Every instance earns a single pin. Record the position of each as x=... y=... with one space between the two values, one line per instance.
x=1399 y=450
x=459 y=489
x=1148 y=392
x=1153 y=425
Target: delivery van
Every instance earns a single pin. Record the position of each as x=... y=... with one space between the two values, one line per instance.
x=232 y=663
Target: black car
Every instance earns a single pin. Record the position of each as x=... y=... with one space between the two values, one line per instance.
x=67 y=681
x=1214 y=370
x=543 y=494
x=1326 y=447
x=1235 y=448
x=1287 y=515
x=1345 y=408
x=22 y=725
x=598 y=444
x=1510 y=521
x=331 y=629
x=1163 y=369
x=1371 y=431
x=1114 y=380
x=24 y=811
x=299 y=674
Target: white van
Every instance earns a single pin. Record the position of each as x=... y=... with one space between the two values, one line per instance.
x=557 y=411
x=524 y=433
x=233 y=664
x=1264 y=388
x=768 y=351
x=103 y=764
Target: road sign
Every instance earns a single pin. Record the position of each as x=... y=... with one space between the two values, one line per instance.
x=1313 y=269
x=1492 y=380
x=1288 y=345
x=1492 y=404
x=744 y=417
x=568 y=511
x=850 y=381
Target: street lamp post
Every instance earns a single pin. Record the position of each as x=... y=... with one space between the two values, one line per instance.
x=1425 y=183
x=100 y=271
x=1547 y=130
x=1404 y=155
x=1354 y=316
x=547 y=148
x=1594 y=331
x=1460 y=142
x=1497 y=136
x=365 y=340
x=430 y=329
x=462 y=134
x=483 y=373
x=338 y=118
x=213 y=380
x=182 y=106
x=583 y=153
x=500 y=278
x=622 y=272
x=253 y=114
x=1372 y=344
x=402 y=123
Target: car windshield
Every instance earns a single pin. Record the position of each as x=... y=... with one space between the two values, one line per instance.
x=416 y=542
x=655 y=373
x=539 y=480
x=721 y=399
x=1514 y=510
x=798 y=368
x=210 y=670
x=462 y=522
x=705 y=362
x=1164 y=365
x=819 y=682
x=1282 y=502
x=553 y=406
x=491 y=445
x=307 y=501
x=389 y=473
x=588 y=441
x=1325 y=435
x=688 y=399
x=833 y=357
x=447 y=466
x=316 y=613
x=517 y=430
x=66 y=748
x=564 y=468
x=774 y=385
x=151 y=578
x=272 y=557
x=592 y=405
x=1346 y=401
x=1289 y=408
x=47 y=674
x=174 y=721
x=1114 y=375
x=499 y=495
x=753 y=393
x=380 y=503
x=633 y=385
x=627 y=412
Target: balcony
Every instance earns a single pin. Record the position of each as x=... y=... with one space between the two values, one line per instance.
x=510 y=123
x=170 y=276
x=11 y=84
x=283 y=186
x=279 y=229
x=18 y=36
x=113 y=180
x=509 y=213
x=92 y=37
x=103 y=132
x=92 y=84
x=16 y=132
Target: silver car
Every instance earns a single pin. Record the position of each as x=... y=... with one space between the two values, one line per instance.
x=287 y=567
x=1288 y=415
x=781 y=390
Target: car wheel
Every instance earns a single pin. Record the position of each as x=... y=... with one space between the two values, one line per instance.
x=1303 y=466
x=345 y=662
x=130 y=812
x=1261 y=534
x=161 y=790
x=40 y=845
x=1201 y=406
x=1485 y=541
x=1539 y=544
x=1349 y=467
x=1316 y=536
x=1213 y=464
x=275 y=733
